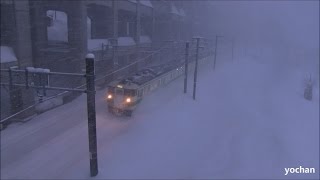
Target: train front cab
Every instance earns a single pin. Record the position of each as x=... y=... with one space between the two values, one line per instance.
x=121 y=100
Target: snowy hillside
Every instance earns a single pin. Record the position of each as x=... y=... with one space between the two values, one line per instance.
x=249 y=121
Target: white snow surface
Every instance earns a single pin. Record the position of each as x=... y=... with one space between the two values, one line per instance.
x=126 y=41
x=96 y=44
x=248 y=121
x=145 y=39
x=90 y=56
x=7 y=54
x=37 y=70
x=59 y=29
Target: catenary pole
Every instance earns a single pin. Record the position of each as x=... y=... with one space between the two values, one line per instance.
x=90 y=77
x=196 y=69
x=186 y=68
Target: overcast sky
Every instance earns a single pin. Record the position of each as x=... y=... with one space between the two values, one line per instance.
x=282 y=23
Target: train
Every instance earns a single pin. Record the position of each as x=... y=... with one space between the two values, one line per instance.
x=124 y=94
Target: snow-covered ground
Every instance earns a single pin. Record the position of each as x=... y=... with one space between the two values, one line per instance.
x=249 y=121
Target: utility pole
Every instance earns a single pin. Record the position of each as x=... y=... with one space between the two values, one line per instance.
x=215 y=52
x=138 y=65
x=186 y=68
x=196 y=69
x=232 y=48
x=246 y=49
x=138 y=22
x=90 y=76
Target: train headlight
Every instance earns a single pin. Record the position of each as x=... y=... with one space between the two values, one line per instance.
x=109 y=96
x=128 y=100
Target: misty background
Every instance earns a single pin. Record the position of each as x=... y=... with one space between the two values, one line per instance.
x=283 y=32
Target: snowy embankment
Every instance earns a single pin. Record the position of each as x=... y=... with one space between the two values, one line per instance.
x=249 y=121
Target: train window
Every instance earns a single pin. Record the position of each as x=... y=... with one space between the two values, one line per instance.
x=111 y=90
x=129 y=92
x=119 y=91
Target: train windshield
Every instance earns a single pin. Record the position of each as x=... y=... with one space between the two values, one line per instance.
x=111 y=90
x=119 y=91
x=129 y=92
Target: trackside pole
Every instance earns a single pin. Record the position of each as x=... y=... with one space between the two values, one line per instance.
x=90 y=77
x=232 y=49
x=186 y=68
x=196 y=71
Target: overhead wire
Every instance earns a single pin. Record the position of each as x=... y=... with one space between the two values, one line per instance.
x=182 y=53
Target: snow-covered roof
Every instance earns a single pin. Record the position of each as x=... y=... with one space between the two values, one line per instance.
x=7 y=54
x=96 y=44
x=143 y=2
x=145 y=39
x=126 y=41
x=37 y=70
